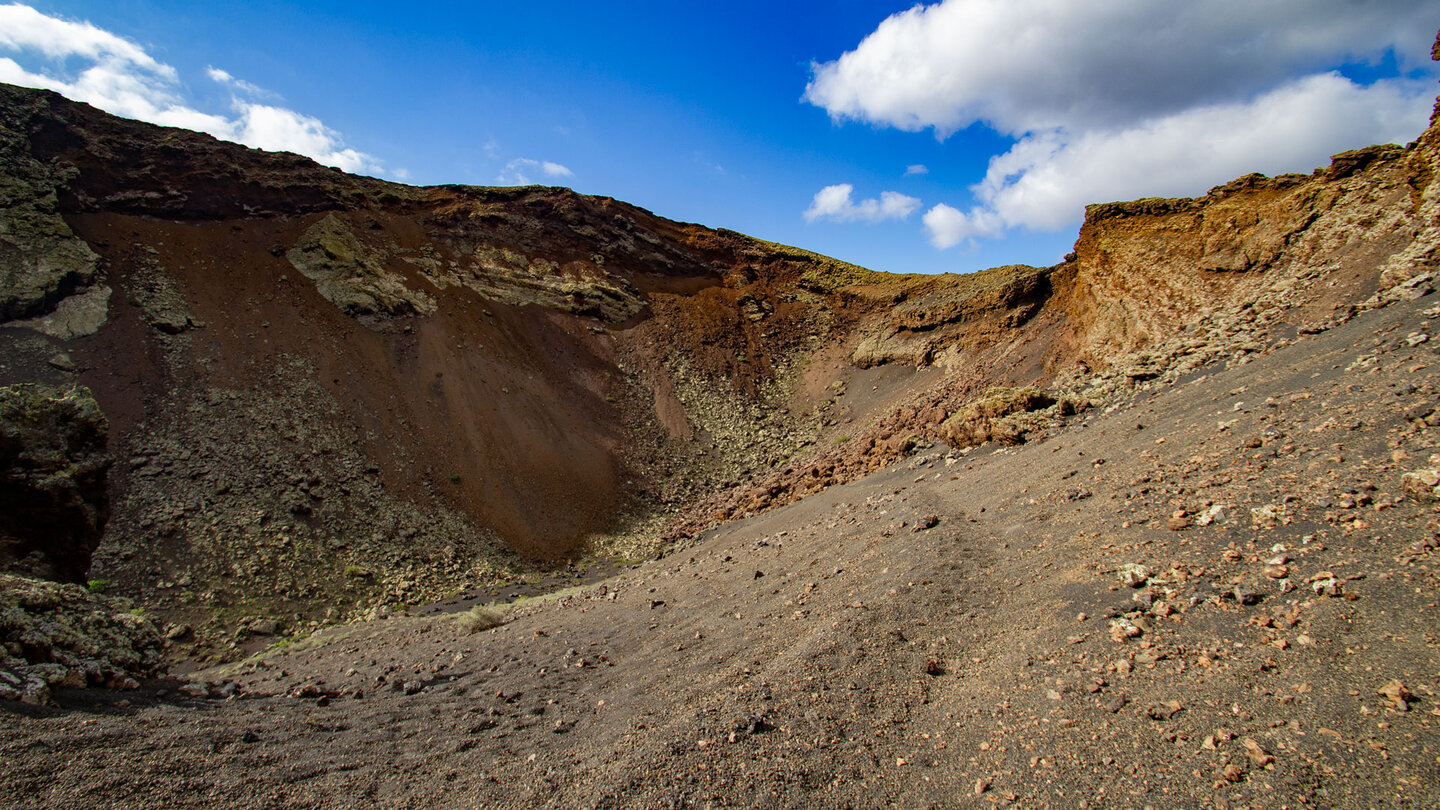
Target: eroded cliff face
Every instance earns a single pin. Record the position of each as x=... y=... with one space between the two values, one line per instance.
x=1256 y=249
x=1156 y=289
x=329 y=391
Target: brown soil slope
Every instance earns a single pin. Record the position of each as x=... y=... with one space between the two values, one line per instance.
x=1219 y=594
x=328 y=392
x=331 y=390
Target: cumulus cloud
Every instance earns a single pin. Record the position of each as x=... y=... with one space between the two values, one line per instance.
x=1024 y=65
x=949 y=226
x=916 y=168
x=86 y=63
x=1044 y=181
x=835 y=204
x=1112 y=99
x=523 y=171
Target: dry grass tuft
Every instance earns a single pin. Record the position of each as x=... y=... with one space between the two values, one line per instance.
x=479 y=618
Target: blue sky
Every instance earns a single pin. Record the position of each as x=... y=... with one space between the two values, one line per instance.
x=969 y=133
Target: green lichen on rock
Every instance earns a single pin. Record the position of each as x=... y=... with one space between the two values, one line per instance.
x=62 y=635
x=53 y=465
x=352 y=275
x=41 y=260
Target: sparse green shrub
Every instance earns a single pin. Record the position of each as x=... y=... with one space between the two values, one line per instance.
x=454 y=478
x=97 y=585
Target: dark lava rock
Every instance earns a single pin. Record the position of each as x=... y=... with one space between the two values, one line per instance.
x=53 y=466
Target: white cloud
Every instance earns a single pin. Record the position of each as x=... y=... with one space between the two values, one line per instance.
x=279 y=129
x=24 y=28
x=523 y=171
x=1115 y=99
x=1025 y=65
x=1045 y=180
x=834 y=203
x=949 y=226
x=223 y=77
x=121 y=78
x=916 y=168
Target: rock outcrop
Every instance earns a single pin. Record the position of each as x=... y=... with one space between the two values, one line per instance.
x=56 y=635
x=42 y=261
x=53 y=465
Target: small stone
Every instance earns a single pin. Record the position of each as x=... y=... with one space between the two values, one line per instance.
x=1133 y=574
x=1233 y=773
x=264 y=627
x=1398 y=695
x=1257 y=754
x=1163 y=710
x=36 y=693
x=1424 y=485
x=1210 y=515
x=1122 y=629
x=194 y=690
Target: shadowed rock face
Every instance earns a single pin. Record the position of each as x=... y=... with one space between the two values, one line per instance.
x=41 y=259
x=53 y=464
